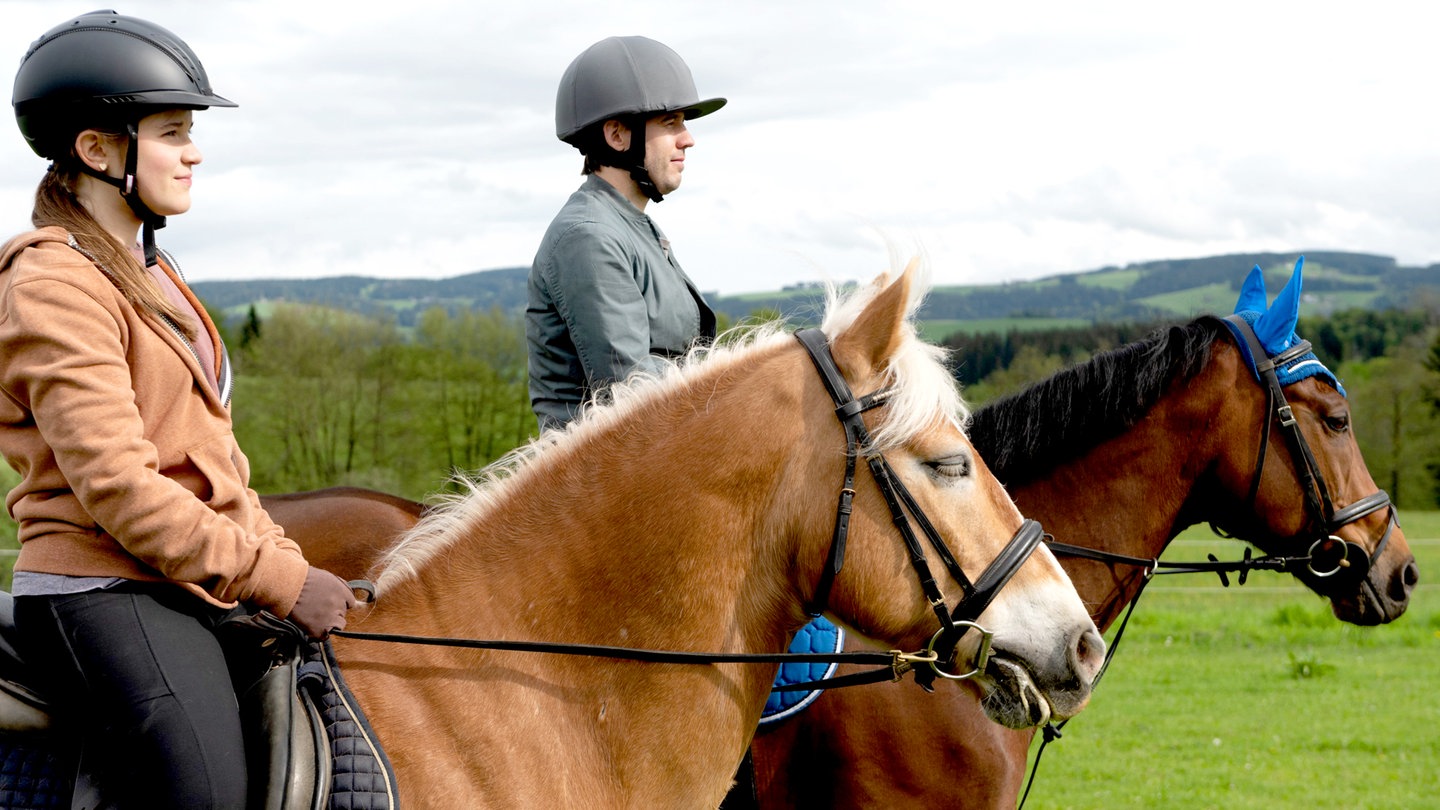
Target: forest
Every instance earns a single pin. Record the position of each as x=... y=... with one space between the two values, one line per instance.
x=329 y=396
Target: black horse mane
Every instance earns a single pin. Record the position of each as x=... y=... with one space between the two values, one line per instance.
x=1058 y=419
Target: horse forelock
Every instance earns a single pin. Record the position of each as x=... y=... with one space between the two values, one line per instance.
x=923 y=388
x=1078 y=408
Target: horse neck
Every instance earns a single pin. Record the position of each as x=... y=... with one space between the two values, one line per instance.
x=1134 y=493
x=665 y=548
x=663 y=544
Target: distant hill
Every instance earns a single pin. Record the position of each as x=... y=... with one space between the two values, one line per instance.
x=1136 y=292
x=404 y=298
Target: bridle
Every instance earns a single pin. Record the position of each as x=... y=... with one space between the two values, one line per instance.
x=892 y=665
x=1341 y=563
x=1334 y=562
x=906 y=514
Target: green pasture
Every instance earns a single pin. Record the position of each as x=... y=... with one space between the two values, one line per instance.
x=1110 y=279
x=935 y=331
x=1185 y=303
x=1257 y=697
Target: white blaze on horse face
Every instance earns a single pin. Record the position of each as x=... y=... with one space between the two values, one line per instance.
x=1047 y=648
x=1042 y=621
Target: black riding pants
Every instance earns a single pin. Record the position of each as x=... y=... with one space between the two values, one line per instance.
x=155 y=696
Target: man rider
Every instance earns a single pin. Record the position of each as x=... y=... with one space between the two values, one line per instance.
x=607 y=296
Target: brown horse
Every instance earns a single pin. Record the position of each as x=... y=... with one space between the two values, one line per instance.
x=1120 y=453
x=343 y=529
x=695 y=512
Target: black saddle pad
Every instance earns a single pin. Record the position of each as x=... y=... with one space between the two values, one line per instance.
x=363 y=777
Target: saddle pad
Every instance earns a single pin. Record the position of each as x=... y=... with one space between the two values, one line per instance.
x=33 y=777
x=819 y=636
x=363 y=778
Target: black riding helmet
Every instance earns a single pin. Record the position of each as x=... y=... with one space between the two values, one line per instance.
x=104 y=68
x=631 y=79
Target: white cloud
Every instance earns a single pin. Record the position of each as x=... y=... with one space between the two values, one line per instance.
x=1005 y=140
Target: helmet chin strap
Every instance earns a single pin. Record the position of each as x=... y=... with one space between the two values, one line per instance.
x=150 y=221
x=635 y=156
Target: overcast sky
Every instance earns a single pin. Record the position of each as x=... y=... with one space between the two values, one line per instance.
x=1004 y=140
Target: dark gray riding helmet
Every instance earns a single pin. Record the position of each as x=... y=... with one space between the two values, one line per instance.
x=622 y=76
x=106 y=68
x=103 y=62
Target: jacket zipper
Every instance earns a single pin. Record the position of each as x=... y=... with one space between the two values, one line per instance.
x=224 y=378
x=190 y=346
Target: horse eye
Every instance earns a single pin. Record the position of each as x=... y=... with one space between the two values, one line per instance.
x=1339 y=424
x=953 y=467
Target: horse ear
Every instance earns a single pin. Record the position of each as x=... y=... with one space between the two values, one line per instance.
x=866 y=347
x=1275 y=327
x=1252 y=292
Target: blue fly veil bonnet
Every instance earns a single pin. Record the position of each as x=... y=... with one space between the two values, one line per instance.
x=1274 y=326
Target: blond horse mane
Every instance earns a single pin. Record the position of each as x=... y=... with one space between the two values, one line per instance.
x=923 y=387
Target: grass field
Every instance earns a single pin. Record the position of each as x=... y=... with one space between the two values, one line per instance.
x=936 y=331
x=1256 y=697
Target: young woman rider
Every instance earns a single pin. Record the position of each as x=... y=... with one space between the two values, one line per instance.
x=138 y=528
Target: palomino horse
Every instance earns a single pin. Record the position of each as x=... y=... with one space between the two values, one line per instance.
x=696 y=513
x=1120 y=453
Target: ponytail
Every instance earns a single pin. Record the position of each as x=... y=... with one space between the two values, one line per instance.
x=57 y=204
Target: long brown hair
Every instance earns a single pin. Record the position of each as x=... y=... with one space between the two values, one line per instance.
x=56 y=203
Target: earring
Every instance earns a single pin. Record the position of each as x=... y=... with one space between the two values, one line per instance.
x=103 y=166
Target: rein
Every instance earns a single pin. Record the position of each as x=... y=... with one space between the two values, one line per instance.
x=898 y=662
x=1345 y=568
x=891 y=665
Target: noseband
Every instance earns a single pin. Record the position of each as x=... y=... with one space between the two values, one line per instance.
x=903 y=512
x=1337 y=563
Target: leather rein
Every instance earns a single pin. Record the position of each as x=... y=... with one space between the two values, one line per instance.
x=892 y=665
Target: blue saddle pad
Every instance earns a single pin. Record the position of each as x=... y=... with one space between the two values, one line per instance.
x=819 y=636
x=34 y=776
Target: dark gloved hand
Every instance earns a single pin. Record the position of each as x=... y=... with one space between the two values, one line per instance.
x=323 y=601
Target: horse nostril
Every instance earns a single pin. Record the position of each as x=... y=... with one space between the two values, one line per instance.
x=1089 y=653
x=1402 y=585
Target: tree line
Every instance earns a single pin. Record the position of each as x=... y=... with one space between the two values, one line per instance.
x=328 y=396
x=1388 y=361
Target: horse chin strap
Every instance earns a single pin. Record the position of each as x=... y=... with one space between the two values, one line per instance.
x=1343 y=564
x=904 y=511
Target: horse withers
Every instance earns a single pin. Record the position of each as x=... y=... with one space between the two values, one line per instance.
x=344 y=530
